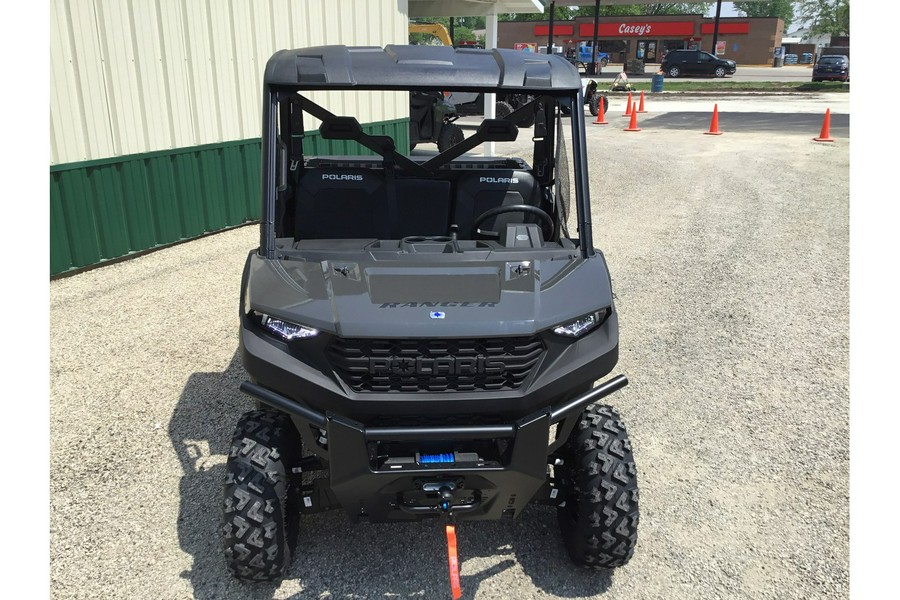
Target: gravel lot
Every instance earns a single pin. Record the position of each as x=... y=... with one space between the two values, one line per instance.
x=729 y=258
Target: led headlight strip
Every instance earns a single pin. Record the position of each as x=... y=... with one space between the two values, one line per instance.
x=285 y=329
x=582 y=325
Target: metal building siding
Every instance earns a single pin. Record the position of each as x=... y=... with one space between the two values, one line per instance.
x=143 y=75
x=110 y=208
x=155 y=112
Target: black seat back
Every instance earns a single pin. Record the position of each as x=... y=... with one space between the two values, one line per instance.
x=423 y=207
x=484 y=189
x=340 y=204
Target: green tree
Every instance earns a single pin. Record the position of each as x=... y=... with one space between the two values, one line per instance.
x=825 y=16
x=655 y=8
x=619 y=10
x=562 y=13
x=676 y=8
x=782 y=9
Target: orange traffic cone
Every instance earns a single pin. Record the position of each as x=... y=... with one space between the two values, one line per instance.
x=641 y=109
x=825 y=134
x=628 y=108
x=714 y=125
x=601 y=114
x=633 y=125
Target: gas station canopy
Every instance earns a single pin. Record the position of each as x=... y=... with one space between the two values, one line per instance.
x=467 y=8
x=473 y=8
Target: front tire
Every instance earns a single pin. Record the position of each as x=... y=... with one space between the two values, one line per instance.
x=720 y=72
x=604 y=62
x=502 y=109
x=674 y=71
x=451 y=134
x=595 y=104
x=599 y=518
x=527 y=121
x=258 y=517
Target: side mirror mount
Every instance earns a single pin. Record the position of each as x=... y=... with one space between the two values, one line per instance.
x=341 y=128
x=498 y=130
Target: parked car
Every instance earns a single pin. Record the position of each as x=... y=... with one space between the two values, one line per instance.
x=585 y=51
x=696 y=62
x=832 y=67
x=581 y=56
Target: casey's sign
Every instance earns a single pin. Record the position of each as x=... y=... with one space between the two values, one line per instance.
x=639 y=29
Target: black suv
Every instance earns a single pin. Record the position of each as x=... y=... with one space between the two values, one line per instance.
x=696 y=62
x=834 y=67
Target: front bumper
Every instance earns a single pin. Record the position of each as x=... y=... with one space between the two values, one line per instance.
x=832 y=76
x=381 y=473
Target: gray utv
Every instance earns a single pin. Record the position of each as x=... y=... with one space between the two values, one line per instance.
x=423 y=334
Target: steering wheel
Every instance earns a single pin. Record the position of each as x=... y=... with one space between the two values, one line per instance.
x=500 y=210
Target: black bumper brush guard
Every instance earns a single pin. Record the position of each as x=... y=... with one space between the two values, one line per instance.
x=428 y=477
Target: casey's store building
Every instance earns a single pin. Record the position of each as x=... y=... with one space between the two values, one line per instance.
x=748 y=41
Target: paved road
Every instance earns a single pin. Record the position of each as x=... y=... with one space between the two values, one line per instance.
x=748 y=113
x=743 y=73
x=730 y=267
x=738 y=112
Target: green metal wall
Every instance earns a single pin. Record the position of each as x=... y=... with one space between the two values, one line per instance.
x=106 y=209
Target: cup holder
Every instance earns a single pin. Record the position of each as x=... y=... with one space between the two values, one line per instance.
x=419 y=239
x=425 y=243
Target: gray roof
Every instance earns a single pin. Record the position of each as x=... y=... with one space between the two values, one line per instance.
x=420 y=67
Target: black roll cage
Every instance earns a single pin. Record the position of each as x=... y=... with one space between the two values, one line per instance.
x=286 y=104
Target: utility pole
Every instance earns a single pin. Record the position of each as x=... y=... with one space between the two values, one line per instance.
x=716 y=26
x=550 y=29
x=594 y=48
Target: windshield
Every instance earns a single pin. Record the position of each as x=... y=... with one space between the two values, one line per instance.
x=831 y=60
x=446 y=173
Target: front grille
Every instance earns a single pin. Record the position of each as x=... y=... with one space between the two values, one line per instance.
x=435 y=365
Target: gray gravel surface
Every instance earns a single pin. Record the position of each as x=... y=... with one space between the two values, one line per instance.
x=729 y=259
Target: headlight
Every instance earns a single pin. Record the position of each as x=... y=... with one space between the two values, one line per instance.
x=284 y=329
x=582 y=325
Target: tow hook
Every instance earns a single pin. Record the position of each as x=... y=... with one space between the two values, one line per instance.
x=446 y=498
x=445 y=505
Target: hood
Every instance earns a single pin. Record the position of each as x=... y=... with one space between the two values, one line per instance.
x=370 y=298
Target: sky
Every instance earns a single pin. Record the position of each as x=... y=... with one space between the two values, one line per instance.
x=727 y=10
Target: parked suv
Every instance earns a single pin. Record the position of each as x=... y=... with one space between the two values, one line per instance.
x=696 y=62
x=832 y=67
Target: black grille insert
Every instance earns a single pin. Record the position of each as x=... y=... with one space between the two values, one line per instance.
x=435 y=365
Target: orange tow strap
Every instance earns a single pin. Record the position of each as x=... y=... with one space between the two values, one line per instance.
x=454 y=562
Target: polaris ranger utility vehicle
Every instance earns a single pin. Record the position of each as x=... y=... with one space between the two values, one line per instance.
x=431 y=120
x=424 y=333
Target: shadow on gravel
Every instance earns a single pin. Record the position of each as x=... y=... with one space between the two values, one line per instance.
x=748 y=122
x=206 y=413
x=336 y=558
